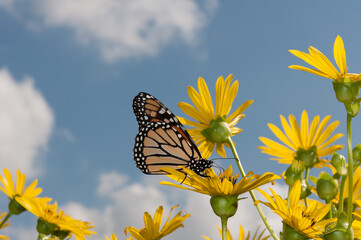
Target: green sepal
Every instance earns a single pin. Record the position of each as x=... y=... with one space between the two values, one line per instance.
x=340 y=230
x=356 y=153
x=292 y=234
x=224 y=206
x=305 y=189
x=339 y=162
x=61 y=234
x=15 y=208
x=346 y=92
x=294 y=172
x=45 y=227
x=218 y=131
x=308 y=157
x=327 y=187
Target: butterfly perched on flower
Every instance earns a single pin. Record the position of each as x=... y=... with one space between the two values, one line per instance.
x=162 y=141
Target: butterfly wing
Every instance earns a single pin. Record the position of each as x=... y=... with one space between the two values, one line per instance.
x=149 y=109
x=162 y=140
x=159 y=144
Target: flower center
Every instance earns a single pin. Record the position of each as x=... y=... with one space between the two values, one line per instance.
x=218 y=131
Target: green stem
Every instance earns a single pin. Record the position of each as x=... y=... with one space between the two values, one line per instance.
x=330 y=212
x=5 y=219
x=350 y=170
x=224 y=227
x=342 y=193
x=258 y=207
x=288 y=196
x=307 y=174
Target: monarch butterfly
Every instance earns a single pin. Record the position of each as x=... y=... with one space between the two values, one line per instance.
x=162 y=140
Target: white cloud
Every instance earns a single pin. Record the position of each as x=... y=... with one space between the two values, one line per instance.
x=7 y=4
x=124 y=28
x=127 y=202
x=26 y=124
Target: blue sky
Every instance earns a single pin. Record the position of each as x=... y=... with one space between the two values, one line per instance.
x=70 y=69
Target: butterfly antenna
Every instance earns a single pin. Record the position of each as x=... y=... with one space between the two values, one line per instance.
x=218 y=167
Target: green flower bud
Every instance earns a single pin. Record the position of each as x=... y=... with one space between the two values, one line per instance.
x=294 y=172
x=308 y=157
x=45 y=227
x=339 y=230
x=356 y=153
x=224 y=206
x=346 y=92
x=305 y=189
x=339 y=162
x=15 y=208
x=291 y=234
x=218 y=131
x=327 y=187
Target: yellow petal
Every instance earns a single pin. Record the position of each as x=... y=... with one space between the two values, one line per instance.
x=310 y=70
x=220 y=150
x=206 y=97
x=340 y=55
x=192 y=112
x=304 y=129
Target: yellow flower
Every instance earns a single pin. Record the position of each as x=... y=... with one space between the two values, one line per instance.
x=242 y=235
x=2 y=217
x=152 y=231
x=207 y=119
x=306 y=221
x=324 y=67
x=224 y=184
x=12 y=191
x=313 y=140
x=49 y=213
x=113 y=237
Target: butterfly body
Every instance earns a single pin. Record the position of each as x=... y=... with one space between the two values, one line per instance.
x=162 y=140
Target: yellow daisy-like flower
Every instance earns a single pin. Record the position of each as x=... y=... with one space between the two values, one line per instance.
x=306 y=221
x=2 y=217
x=312 y=141
x=324 y=67
x=242 y=235
x=224 y=184
x=207 y=132
x=9 y=188
x=152 y=231
x=113 y=237
x=50 y=213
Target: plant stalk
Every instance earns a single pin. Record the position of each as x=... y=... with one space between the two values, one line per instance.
x=258 y=207
x=350 y=170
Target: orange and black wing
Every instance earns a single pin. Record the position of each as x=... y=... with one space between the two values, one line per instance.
x=149 y=109
x=160 y=144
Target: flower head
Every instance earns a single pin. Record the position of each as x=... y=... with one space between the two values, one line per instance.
x=152 y=231
x=306 y=221
x=213 y=126
x=54 y=220
x=224 y=184
x=304 y=143
x=242 y=235
x=324 y=67
x=12 y=190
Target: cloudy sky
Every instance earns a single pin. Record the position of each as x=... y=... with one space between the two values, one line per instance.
x=70 y=69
